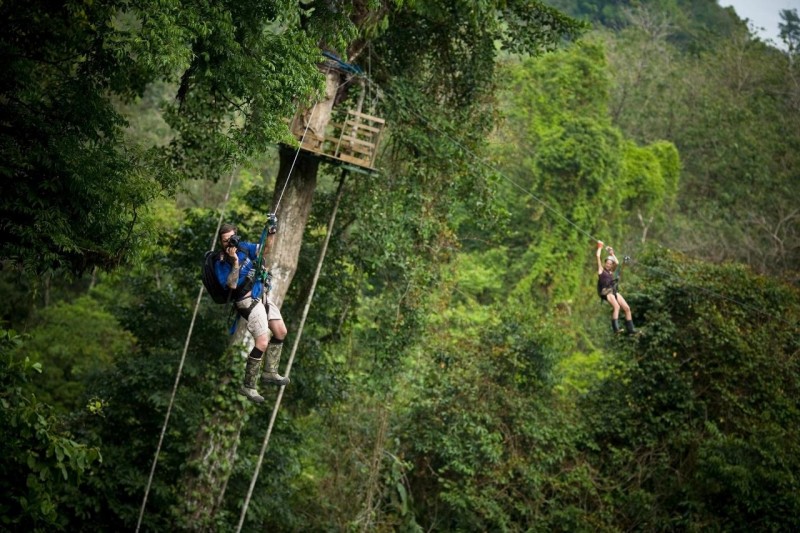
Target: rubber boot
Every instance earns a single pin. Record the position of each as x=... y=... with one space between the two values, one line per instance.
x=615 y=325
x=629 y=329
x=248 y=388
x=273 y=358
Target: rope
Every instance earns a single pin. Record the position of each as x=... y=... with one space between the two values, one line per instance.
x=294 y=351
x=305 y=310
x=183 y=357
x=289 y=176
x=296 y=154
x=286 y=184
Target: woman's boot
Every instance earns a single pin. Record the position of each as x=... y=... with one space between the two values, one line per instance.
x=629 y=329
x=615 y=325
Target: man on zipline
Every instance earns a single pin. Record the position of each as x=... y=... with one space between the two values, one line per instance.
x=607 y=290
x=235 y=268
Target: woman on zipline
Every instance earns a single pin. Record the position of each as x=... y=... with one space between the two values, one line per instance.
x=607 y=290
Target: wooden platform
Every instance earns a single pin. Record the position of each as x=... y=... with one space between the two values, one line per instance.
x=355 y=141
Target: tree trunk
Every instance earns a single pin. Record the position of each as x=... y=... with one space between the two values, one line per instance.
x=294 y=189
x=294 y=192
x=210 y=465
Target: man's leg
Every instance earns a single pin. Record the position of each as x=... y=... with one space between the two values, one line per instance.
x=258 y=327
x=275 y=347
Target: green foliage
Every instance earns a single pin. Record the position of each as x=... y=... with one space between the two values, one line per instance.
x=454 y=373
x=577 y=157
x=75 y=182
x=41 y=460
x=727 y=107
x=579 y=372
x=137 y=392
x=73 y=342
x=650 y=177
x=699 y=21
x=399 y=228
x=61 y=146
x=406 y=225
x=455 y=44
x=490 y=448
x=790 y=29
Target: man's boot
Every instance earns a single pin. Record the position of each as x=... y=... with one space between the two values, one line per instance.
x=615 y=325
x=273 y=358
x=251 y=380
x=629 y=329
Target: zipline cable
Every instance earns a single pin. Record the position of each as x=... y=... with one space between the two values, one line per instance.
x=542 y=202
x=183 y=355
x=305 y=311
x=264 y=445
x=191 y=325
x=286 y=182
x=296 y=154
x=302 y=139
x=289 y=173
x=498 y=172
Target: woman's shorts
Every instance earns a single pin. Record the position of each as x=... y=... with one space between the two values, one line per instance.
x=605 y=292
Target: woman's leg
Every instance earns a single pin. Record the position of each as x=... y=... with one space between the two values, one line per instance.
x=614 y=305
x=625 y=307
x=629 y=327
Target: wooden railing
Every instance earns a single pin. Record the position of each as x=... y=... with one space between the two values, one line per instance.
x=355 y=141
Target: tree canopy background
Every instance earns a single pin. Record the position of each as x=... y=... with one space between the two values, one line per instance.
x=456 y=371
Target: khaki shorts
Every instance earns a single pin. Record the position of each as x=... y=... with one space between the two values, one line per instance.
x=258 y=321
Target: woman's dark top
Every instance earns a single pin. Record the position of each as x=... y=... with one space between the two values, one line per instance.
x=605 y=284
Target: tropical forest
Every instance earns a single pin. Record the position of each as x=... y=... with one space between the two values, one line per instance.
x=517 y=265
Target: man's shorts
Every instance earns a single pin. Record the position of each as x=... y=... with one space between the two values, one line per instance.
x=258 y=321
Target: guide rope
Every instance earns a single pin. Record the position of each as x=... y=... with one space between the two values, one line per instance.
x=200 y=296
x=183 y=356
x=309 y=298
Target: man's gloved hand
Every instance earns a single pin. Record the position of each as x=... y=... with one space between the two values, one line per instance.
x=272 y=224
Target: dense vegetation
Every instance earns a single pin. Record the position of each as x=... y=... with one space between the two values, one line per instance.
x=457 y=371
